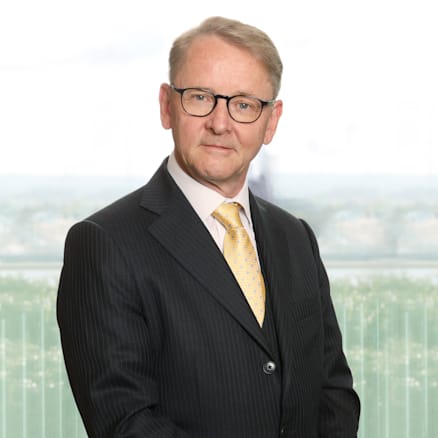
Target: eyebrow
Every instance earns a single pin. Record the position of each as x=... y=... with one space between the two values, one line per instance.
x=237 y=93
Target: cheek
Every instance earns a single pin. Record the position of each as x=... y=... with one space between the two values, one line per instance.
x=252 y=140
x=185 y=132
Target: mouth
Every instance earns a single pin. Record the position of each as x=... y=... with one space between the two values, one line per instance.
x=218 y=147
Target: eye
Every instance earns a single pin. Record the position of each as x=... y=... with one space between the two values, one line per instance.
x=198 y=96
x=245 y=104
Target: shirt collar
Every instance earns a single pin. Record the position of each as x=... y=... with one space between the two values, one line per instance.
x=203 y=199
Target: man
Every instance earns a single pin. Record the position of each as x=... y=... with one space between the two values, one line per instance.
x=160 y=335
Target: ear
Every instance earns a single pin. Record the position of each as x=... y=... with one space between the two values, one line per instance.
x=165 y=111
x=272 y=123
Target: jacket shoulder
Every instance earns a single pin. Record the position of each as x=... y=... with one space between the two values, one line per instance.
x=120 y=208
x=294 y=226
x=277 y=213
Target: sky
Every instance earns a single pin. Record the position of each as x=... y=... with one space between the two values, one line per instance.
x=79 y=84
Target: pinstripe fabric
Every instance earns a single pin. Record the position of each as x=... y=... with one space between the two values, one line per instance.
x=159 y=342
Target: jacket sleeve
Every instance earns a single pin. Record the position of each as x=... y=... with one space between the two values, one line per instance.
x=339 y=404
x=106 y=344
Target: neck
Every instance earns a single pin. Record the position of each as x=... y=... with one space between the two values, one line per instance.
x=228 y=190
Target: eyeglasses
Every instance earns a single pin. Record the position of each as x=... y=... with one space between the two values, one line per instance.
x=241 y=108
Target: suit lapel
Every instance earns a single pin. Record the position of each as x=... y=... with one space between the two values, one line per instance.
x=179 y=229
x=284 y=277
x=276 y=264
x=278 y=272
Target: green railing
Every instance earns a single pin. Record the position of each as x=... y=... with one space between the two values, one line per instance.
x=390 y=329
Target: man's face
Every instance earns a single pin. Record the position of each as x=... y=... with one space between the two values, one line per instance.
x=216 y=150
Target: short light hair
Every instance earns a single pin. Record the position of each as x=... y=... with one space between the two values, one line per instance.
x=236 y=33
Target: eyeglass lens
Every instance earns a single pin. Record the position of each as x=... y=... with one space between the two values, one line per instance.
x=200 y=103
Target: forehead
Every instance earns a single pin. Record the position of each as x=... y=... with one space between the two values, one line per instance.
x=214 y=63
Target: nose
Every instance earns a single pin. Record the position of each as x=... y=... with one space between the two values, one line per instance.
x=219 y=120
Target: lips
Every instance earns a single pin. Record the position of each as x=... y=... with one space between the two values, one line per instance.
x=216 y=146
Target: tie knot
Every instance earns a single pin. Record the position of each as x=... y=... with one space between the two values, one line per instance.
x=228 y=214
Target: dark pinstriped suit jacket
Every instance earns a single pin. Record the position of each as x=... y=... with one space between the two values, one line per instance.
x=159 y=342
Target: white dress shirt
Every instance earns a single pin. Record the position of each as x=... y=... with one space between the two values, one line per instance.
x=205 y=200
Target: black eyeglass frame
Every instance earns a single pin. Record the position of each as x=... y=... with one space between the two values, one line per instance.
x=221 y=96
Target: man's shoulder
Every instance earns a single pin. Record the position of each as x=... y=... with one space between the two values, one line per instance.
x=286 y=224
x=121 y=207
x=153 y=193
x=122 y=220
x=277 y=213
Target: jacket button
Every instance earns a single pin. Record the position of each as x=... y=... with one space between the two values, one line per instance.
x=269 y=367
x=283 y=431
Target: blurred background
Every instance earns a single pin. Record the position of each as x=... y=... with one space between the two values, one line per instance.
x=356 y=155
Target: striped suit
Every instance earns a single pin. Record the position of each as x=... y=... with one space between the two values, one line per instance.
x=159 y=341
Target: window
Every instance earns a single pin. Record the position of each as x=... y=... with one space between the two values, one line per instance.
x=355 y=155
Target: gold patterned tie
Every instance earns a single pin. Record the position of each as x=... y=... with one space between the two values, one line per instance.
x=242 y=258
